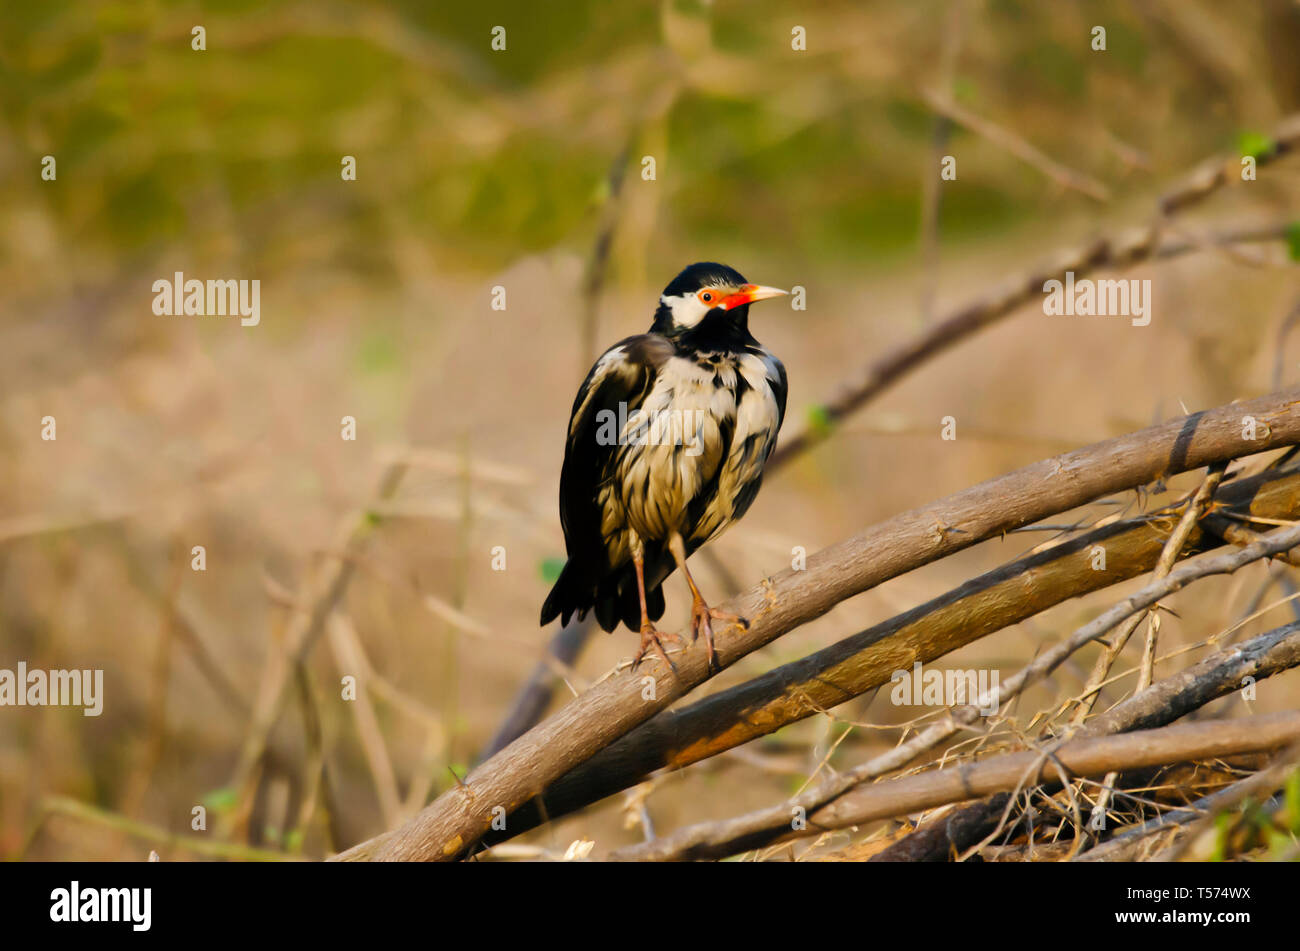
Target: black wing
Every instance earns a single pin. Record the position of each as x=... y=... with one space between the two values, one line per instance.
x=780 y=387
x=617 y=384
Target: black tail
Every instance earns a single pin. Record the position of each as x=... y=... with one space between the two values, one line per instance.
x=565 y=598
x=614 y=597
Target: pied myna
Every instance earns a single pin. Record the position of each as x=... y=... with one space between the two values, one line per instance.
x=666 y=446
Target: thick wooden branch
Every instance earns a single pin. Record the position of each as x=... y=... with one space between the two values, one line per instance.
x=1007 y=595
x=532 y=700
x=447 y=828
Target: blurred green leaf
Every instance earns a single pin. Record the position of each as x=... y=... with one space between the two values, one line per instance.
x=1256 y=144
x=820 y=420
x=1293 y=240
x=550 y=569
x=965 y=89
x=220 y=800
x=77 y=61
x=1223 y=825
x=378 y=353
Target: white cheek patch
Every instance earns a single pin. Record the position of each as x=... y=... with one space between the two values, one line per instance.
x=687 y=311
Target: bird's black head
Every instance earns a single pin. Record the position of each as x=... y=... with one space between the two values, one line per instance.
x=708 y=304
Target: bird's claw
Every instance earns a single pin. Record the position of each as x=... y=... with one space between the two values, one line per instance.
x=736 y=619
x=652 y=637
x=702 y=618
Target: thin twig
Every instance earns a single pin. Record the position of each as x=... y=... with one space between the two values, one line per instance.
x=304 y=629
x=1004 y=138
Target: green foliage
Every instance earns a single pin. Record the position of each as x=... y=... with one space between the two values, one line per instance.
x=550 y=569
x=1293 y=240
x=1256 y=144
x=820 y=421
x=1291 y=793
x=965 y=89
x=1255 y=825
x=457 y=773
x=1223 y=826
x=1127 y=46
x=379 y=353
x=910 y=117
x=480 y=156
x=220 y=800
x=1059 y=66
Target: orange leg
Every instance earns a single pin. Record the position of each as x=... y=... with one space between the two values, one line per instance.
x=650 y=635
x=702 y=615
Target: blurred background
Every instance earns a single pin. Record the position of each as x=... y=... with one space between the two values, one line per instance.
x=523 y=168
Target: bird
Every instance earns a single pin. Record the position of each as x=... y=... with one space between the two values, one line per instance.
x=666 y=445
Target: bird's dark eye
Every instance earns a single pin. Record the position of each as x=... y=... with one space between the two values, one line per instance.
x=706 y=296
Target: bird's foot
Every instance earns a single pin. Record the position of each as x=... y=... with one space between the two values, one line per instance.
x=651 y=636
x=702 y=618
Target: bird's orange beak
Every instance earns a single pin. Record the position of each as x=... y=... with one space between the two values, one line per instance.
x=748 y=294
